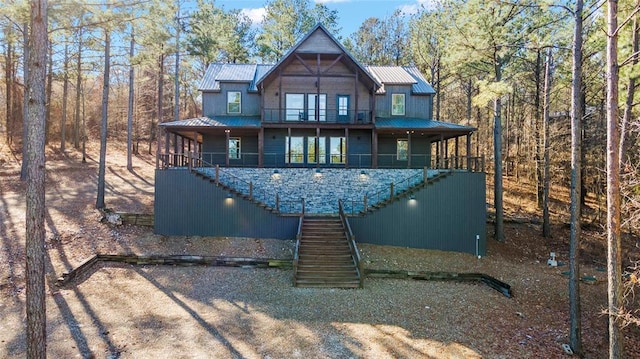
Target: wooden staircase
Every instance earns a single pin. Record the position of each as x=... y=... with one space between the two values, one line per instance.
x=324 y=256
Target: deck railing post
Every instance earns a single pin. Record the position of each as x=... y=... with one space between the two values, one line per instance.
x=189 y=160
x=251 y=190
x=364 y=200
x=391 y=194
x=303 y=209
x=217 y=174
x=425 y=174
x=277 y=203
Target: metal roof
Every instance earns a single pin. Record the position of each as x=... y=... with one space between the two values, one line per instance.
x=208 y=82
x=236 y=73
x=261 y=70
x=392 y=75
x=220 y=121
x=421 y=86
x=418 y=124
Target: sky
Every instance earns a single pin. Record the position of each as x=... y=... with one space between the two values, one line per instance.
x=351 y=13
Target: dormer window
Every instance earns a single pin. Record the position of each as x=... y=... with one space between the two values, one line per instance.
x=397 y=104
x=234 y=102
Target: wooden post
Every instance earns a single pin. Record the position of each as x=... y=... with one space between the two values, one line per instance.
x=469 y=152
x=196 y=155
x=408 y=149
x=261 y=148
x=189 y=161
x=456 y=160
x=226 y=146
x=364 y=200
x=251 y=190
x=392 y=192
x=346 y=147
x=374 y=148
x=442 y=154
x=317 y=149
x=217 y=174
x=277 y=203
x=303 y=205
x=425 y=174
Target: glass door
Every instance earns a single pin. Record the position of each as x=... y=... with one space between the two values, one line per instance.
x=317 y=102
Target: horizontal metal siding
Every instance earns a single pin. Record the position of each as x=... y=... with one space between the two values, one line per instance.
x=446 y=215
x=191 y=206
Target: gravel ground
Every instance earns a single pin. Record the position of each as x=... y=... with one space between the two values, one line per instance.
x=123 y=311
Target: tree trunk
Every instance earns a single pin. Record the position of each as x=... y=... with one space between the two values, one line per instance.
x=105 y=113
x=8 y=79
x=35 y=197
x=546 y=223
x=497 y=151
x=176 y=94
x=154 y=127
x=76 y=127
x=131 y=97
x=25 y=101
x=49 y=92
x=614 y=253
x=631 y=89
x=536 y=129
x=575 y=335
x=65 y=98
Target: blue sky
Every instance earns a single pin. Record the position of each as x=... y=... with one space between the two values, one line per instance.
x=351 y=12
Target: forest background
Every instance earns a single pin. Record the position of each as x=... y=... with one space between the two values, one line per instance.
x=476 y=53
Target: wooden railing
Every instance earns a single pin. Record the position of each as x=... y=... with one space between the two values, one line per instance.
x=330 y=116
x=351 y=239
x=296 y=258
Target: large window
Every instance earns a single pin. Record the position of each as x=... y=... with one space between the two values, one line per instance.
x=402 y=149
x=397 y=104
x=234 y=148
x=321 y=102
x=338 y=149
x=234 y=102
x=294 y=104
x=294 y=150
x=321 y=155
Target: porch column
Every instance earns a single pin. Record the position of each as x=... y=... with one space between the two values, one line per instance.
x=457 y=153
x=196 y=152
x=437 y=161
x=226 y=147
x=468 y=152
x=446 y=153
x=317 y=149
x=408 y=149
x=374 y=148
x=288 y=154
x=261 y=148
x=355 y=118
x=442 y=154
x=175 y=149
x=346 y=147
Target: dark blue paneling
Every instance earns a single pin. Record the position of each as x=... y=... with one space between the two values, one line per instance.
x=186 y=204
x=445 y=215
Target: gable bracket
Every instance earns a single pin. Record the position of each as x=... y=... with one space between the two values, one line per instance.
x=304 y=64
x=333 y=63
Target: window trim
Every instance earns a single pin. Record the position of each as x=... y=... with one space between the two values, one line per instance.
x=404 y=104
x=233 y=103
x=289 y=115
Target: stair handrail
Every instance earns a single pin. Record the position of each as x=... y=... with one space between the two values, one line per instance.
x=259 y=196
x=351 y=239
x=296 y=258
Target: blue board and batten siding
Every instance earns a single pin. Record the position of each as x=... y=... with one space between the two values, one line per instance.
x=187 y=205
x=447 y=215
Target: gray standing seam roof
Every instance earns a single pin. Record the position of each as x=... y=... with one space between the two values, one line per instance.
x=418 y=124
x=221 y=121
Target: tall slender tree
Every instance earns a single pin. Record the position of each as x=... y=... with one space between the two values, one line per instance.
x=35 y=194
x=575 y=331
x=614 y=248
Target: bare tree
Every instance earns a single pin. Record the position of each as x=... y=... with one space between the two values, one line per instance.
x=131 y=97
x=614 y=252
x=546 y=223
x=575 y=335
x=35 y=176
x=105 y=114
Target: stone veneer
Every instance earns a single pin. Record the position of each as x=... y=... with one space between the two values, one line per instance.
x=320 y=188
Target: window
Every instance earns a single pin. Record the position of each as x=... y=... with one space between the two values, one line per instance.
x=234 y=148
x=312 y=100
x=397 y=104
x=294 y=104
x=294 y=150
x=234 y=102
x=343 y=105
x=402 y=149
x=311 y=150
x=338 y=149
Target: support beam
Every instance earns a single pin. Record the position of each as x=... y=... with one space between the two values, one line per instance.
x=317 y=149
x=469 y=152
x=442 y=154
x=457 y=154
x=288 y=154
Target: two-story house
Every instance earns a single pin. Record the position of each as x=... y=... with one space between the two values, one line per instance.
x=318 y=110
